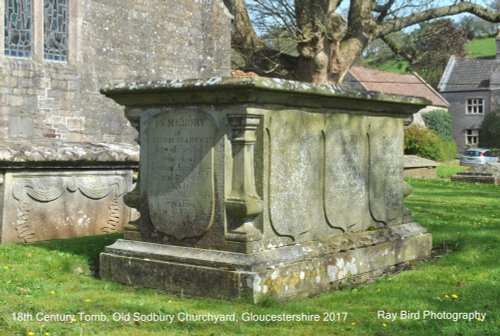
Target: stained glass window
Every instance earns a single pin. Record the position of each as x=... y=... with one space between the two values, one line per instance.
x=55 y=30
x=17 y=28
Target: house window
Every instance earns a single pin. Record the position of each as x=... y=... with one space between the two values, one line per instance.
x=55 y=30
x=475 y=106
x=472 y=137
x=17 y=28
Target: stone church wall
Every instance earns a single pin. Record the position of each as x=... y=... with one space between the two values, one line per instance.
x=67 y=153
x=114 y=40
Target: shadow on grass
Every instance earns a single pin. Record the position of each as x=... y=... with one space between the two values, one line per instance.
x=88 y=247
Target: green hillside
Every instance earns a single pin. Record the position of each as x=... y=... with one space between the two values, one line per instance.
x=481 y=47
x=397 y=66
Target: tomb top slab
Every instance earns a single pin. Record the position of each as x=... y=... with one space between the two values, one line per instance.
x=256 y=89
x=413 y=161
x=53 y=153
x=489 y=169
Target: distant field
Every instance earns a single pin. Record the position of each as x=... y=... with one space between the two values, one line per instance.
x=476 y=48
x=397 y=66
x=481 y=47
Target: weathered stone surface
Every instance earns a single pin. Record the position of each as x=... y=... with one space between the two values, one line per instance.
x=236 y=89
x=277 y=175
x=486 y=169
x=385 y=170
x=295 y=270
x=30 y=154
x=40 y=205
x=113 y=40
x=417 y=167
x=55 y=189
x=183 y=169
x=346 y=180
x=487 y=173
x=295 y=173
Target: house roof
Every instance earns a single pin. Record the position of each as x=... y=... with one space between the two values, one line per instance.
x=467 y=74
x=393 y=83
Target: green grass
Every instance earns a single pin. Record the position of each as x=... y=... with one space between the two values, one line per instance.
x=397 y=66
x=481 y=47
x=464 y=219
x=447 y=170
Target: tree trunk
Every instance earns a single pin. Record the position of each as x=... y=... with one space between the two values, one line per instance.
x=325 y=67
x=327 y=44
x=312 y=65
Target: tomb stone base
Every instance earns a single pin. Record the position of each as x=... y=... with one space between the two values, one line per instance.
x=487 y=174
x=289 y=271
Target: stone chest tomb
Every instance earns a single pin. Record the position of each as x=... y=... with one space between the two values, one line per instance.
x=250 y=187
x=53 y=190
x=488 y=174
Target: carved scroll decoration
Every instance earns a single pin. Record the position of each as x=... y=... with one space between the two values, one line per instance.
x=97 y=187
x=22 y=225
x=38 y=190
x=48 y=189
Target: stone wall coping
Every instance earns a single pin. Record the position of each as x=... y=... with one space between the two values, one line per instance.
x=24 y=153
x=489 y=169
x=256 y=89
x=414 y=161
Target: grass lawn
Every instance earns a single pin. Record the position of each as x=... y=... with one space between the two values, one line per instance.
x=481 y=47
x=447 y=170
x=58 y=278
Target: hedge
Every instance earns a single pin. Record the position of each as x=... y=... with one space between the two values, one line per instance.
x=439 y=120
x=428 y=144
x=489 y=133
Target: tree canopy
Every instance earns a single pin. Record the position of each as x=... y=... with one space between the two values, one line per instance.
x=428 y=48
x=329 y=35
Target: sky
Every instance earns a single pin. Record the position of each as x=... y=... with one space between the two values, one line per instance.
x=343 y=9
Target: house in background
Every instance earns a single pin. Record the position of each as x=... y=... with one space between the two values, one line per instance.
x=370 y=80
x=471 y=86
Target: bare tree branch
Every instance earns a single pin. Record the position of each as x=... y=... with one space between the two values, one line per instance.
x=359 y=19
x=259 y=57
x=397 y=48
x=327 y=43
x=462 y=7
x=278 y=14
x=383 y=10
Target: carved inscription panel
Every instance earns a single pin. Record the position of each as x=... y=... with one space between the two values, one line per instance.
x=346 y=175
x=296 y=167
x=386 y=170
x=180 y=172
